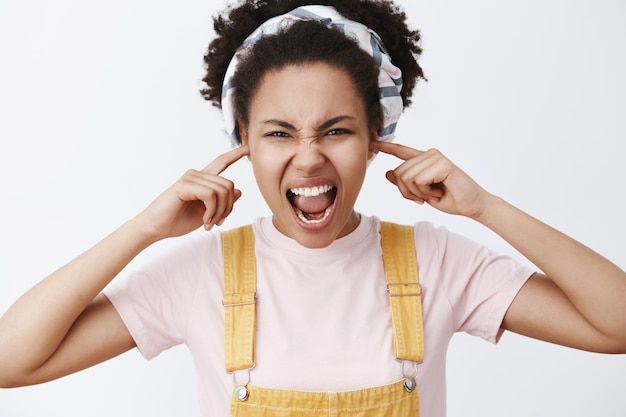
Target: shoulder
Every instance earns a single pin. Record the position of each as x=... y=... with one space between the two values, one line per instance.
x=173 y=264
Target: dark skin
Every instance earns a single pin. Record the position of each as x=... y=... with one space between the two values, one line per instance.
x=560 y=306
x=87 y=329
x=70 y=326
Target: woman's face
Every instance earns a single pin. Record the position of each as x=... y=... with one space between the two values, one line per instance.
x=309 y=146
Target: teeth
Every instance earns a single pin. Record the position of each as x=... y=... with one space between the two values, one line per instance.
x=304 y=219
x=312 y=191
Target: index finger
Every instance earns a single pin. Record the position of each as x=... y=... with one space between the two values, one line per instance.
x=219 y=164
x=395 y=149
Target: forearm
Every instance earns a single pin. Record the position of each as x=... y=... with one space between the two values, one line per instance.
x=594 y=285
x=33 y=328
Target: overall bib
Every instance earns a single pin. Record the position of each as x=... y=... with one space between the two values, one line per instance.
x=399 y=399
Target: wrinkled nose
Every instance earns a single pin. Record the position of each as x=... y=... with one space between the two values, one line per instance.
x=308 y=157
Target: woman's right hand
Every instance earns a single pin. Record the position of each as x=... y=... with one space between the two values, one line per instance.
x=61 y=325
x=198 y=198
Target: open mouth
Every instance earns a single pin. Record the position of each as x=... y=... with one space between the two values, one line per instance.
x=313 y=205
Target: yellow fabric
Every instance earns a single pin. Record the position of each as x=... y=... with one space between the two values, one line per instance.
x=404 y=290
x=239 y=297
x=239 y=310
x=386 y=401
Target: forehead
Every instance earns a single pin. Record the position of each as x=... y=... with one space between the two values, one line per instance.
x=305 y=92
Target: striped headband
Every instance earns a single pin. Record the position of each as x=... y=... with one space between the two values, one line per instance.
x=389 y=78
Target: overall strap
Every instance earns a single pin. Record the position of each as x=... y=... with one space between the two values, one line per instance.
x=405 y=292
x=239 y=297
x=399 y=259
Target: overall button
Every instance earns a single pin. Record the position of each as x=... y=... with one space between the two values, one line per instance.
x=410 y=384
x=241 y=392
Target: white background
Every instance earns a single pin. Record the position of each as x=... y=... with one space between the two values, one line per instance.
x=99 y=112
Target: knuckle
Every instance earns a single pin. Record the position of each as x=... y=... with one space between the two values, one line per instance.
x=211 y=195
x=230 y=185
x=189 y=176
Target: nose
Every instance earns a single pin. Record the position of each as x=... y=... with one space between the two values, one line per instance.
x=308 y=157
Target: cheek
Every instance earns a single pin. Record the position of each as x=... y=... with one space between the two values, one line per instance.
x=268 y=166
x=262 y=155
x=351 y=153
x=351 y=167
x=257 y=154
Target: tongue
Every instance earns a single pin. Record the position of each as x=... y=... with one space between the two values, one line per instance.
x=313 y=205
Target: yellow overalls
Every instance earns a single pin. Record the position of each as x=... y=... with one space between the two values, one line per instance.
x=399 y=399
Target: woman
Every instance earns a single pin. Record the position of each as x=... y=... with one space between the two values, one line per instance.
x=309 y=124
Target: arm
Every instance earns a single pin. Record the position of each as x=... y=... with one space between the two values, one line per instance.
x=580 y=301
x=62 y=325
x=583 y=302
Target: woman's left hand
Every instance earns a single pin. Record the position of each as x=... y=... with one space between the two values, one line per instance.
x=579 y=302
x=430 y=177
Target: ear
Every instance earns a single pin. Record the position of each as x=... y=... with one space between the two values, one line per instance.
x=373 y=138
x=243 y=134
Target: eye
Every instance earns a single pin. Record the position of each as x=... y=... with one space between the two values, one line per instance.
x=338 y=132
x=278 y=134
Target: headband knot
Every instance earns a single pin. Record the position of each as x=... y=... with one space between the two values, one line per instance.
x=389 y=79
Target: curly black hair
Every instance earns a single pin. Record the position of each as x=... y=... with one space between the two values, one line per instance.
x=309 y=42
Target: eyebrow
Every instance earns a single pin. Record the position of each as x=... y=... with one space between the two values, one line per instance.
x=328 y=123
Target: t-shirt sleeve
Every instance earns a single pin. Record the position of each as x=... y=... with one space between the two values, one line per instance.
x=155 y=298
x=479 y=284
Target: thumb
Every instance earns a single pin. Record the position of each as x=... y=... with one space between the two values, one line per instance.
x=391 y=176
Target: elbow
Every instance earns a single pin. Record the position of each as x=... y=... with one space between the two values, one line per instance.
x=615 y=345
x=7 y=378
x=10 y=377
x=616 y=349
x=7 y=381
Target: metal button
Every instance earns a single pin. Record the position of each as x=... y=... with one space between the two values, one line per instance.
x=410 y=384
x=241 y=392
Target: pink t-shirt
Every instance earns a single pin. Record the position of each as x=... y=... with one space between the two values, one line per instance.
x=323 y=319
